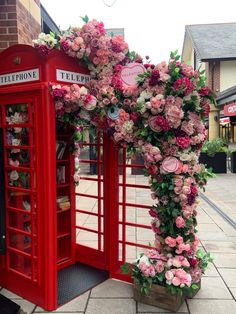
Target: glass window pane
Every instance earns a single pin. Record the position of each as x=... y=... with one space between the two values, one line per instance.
x=18 y=178
x=18 y=136
x=21 y=200
x=20 y=242
x=17 y=114
x=87 y=238
x=18 y=157
x=20 y=263
x=19 y=221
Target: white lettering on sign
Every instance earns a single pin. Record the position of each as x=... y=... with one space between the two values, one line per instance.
x=72 y=77
x=19 y=77
x=232 y=109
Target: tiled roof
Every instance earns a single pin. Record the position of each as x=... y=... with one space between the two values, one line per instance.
x=213 y=41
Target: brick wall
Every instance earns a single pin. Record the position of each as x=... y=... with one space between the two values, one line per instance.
x=17 y=25
x=213 y=70
x=28 y=27
x=8 y=24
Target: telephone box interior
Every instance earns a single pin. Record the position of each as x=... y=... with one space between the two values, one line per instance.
x=50 y=229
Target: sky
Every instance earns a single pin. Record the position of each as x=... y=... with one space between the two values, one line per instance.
x=152 y=27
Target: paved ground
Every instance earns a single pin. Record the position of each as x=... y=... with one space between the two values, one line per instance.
x=222 y=191
x=218 y=293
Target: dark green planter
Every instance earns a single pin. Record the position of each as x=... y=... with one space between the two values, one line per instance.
x=233 y=162
x=218 y=163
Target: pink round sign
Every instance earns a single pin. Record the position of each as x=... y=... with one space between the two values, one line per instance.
x=130 y=72
x=170 y=164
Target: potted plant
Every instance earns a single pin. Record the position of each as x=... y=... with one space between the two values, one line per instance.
x=166 y=280
x=214 y=155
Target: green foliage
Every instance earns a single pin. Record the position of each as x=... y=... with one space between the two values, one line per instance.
x=214 y=146
x=126 y=268
x=203 y=176
x=204 y=258
x=85 y=19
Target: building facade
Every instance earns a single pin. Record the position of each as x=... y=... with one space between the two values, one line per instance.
x=211 y=47
x=21 y=21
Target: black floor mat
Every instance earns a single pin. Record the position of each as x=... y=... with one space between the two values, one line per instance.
x=76 y=279
x=8 y=306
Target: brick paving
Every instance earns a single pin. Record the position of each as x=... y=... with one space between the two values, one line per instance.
x=218 y=292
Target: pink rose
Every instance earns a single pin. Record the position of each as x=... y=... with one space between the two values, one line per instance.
x=180 y=222
x=90 y=102
x=187 y=127
x=182 y=197
x=176 y=262
x=179 y=239
x=176 y=281
x=14 y=163
x=169 y=275
x=185 y=168
x=160 y=266
x=178 y=182
x=186 y=190
x=152 y=254
x=171 y=242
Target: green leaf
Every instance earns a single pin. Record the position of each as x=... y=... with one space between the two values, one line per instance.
x=85 y=19
x=194 y=286
x=126 y=269
x=52 y=34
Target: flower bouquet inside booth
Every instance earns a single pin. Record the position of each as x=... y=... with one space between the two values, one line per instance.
x=166 y=280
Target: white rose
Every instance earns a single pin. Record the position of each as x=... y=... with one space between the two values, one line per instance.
x=83 y=90
x=14 y=175
x=128 y=126
x=144 y=259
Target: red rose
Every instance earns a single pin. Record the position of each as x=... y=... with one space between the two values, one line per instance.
x=192 y=262
x=204 y=91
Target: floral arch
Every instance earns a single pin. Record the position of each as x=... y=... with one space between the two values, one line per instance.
x=162 y=116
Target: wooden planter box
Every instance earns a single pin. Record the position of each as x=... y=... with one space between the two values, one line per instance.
x=233 y=162
x=160 y=297
x=217 y=163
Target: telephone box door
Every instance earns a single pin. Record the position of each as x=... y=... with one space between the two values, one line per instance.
x=23 y=265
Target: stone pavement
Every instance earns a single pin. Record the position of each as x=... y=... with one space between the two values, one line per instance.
x=222 y=191
x=218 y=292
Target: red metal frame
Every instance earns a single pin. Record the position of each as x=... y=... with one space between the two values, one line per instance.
x=88 y=253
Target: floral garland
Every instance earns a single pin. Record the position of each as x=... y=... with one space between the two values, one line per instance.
x=163 y=117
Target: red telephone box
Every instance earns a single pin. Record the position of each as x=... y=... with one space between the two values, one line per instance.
x=39 y=234
x=45 y=231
